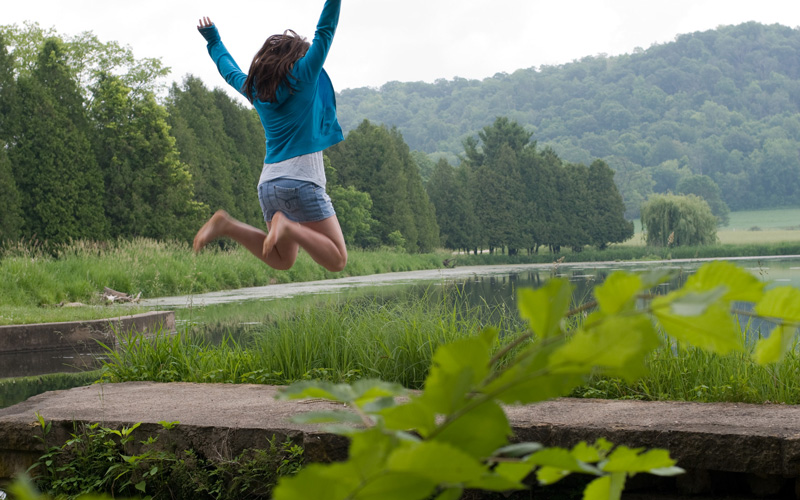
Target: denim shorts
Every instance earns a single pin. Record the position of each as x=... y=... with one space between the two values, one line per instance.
x=300 y=201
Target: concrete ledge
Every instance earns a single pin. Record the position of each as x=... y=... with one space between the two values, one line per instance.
x=223 y=419
x=71 y=334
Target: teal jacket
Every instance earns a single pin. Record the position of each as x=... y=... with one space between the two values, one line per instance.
x=303 y=122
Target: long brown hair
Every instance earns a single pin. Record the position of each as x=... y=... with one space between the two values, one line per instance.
x=272 y=66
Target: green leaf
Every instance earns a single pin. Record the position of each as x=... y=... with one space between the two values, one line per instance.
x=618 y=344
x=655 y=277
x=457 y=368
x=782 y=303
x=141 y=486
x=369 y=391
x=632 y=460
x=528 y=379
x=369 y=450
x=667 y=471
x=585 y=452
x=739 y=284
x=304 y=389
x=396 y=486
x=379 y=404
x=334 y=481
x=557 y=458
x=713 y=330
x=773 y=348
x=619 y=292
x=549 y=475
x=360 y=393
x=517 y=450
x=321 y=417
x=450 y=494
x=696 y=303
x=415 y=415
x=605 y=488
x=514 y=471
x=496 y=482
x=544 y=308
x=493 y=425
x=439 y=461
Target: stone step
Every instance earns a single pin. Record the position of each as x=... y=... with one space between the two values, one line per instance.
x=760 y=444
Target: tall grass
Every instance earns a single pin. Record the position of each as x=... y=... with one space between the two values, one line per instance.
x=681 y=373
x=79 y=271
x=393 y=339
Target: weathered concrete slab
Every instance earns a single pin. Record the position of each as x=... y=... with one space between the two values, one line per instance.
x=759 y=440
x=70 y=334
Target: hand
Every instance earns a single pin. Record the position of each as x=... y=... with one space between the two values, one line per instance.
x=205 y=22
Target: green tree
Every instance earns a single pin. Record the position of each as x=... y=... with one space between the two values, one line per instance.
x=353 y=210
x=705 y=187
x=52 y=159
x=86 y=57
x=455 y=215
x=673 y=220
x=376 y=160
x=497 y=183
x=10 y=208
x=148 y=191
x=199 y=130
x=607 y=222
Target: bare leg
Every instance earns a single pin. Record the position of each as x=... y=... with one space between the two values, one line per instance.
x=221 y=224
x=323 y=240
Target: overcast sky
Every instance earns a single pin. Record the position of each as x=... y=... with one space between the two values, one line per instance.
x=412 y=40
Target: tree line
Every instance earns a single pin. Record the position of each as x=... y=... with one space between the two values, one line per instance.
x=90 y=152
x=723 y=103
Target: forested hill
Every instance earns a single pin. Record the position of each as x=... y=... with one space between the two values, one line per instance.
x=723 y=103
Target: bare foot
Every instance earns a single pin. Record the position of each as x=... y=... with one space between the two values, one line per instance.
x=276 y=229
x=211 y=230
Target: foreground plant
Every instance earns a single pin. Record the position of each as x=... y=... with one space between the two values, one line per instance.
x=454 y=435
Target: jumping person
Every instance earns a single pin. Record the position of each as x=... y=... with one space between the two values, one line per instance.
x=295 y=101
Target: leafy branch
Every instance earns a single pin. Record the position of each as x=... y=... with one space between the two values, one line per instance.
x=455 y=434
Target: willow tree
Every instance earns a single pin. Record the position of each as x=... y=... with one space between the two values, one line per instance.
x=675 y=220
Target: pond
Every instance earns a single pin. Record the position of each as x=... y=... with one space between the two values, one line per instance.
x=489 y=286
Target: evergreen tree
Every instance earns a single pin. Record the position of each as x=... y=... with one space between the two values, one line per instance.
x=52 y=158
x=376 y=160
x=497 y=183
x=575 y=206
x=353 y=210
x=148 y=191
x=198 y=127
x=10 y=209
x=242 y=126
x=607 y=222
x=447 y=191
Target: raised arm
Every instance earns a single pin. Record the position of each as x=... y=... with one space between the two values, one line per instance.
x=226 y=65
x=323 y=37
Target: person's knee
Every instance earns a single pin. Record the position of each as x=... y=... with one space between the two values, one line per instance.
x=338 y=264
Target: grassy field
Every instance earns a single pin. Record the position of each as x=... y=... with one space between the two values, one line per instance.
x=749 y=227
